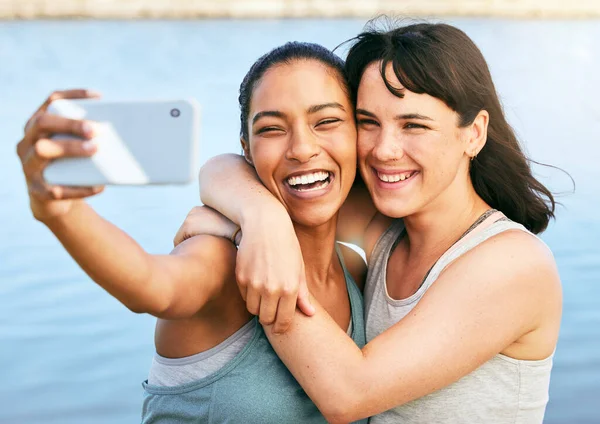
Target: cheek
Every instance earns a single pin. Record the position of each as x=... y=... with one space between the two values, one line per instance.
x=266 y=158
x=440 y=161
x=364 y=145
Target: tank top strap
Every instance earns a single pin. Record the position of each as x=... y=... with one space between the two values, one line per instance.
x=469 y=242
x=385 y=243
x=356 y=302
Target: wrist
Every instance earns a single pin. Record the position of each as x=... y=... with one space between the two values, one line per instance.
x=57 y=213
x=268 y=210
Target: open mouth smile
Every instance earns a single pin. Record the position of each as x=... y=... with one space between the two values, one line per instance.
x=395 y=178
x=309 y=181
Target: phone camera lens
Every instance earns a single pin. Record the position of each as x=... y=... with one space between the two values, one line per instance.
x=175 y=113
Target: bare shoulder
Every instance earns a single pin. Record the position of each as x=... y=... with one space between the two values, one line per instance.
x=209 y=262
x=208 y=247
x=511 y=256
x=515 y=266
x=355 y=264
x=511 y=282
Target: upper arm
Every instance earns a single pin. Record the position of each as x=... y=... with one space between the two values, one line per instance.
x=198 y=269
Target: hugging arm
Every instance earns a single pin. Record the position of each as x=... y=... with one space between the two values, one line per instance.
x=270 y=269
x=439 y=342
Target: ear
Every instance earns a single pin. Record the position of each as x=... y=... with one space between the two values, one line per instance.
x=477 y=134
x=246 y=151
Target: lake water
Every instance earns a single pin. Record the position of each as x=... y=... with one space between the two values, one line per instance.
x=69 y=353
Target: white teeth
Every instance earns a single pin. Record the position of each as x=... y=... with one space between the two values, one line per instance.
x=394 y=178
x=308 y=178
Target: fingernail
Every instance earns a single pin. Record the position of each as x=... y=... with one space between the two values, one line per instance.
x=88 y=146
x=87 y=129
x=93 y=93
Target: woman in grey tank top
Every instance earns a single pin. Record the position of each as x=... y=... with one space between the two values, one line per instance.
x=463 y=300
x=214 y=362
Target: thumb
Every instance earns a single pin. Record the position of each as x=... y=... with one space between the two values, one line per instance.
x=304 y=299
x=180 y=237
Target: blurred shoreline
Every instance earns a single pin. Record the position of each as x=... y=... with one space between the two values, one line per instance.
x=253 y=9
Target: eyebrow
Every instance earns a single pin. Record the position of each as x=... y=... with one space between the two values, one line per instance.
x=317 y=108
x=274 y=113
x=398 y=117
x=311 y=110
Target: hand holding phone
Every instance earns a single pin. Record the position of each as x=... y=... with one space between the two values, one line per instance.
x=36 y=150
x=138 y=143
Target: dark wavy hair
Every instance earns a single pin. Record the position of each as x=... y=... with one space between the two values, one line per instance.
x=286 y=54
x=442 y=61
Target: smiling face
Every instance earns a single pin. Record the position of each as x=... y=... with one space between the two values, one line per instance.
x=302 y=139
x=412 y=154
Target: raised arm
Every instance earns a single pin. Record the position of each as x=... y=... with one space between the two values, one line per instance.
x=438 y=342
x=271 y=282
x=167 y=286
x=270 y=270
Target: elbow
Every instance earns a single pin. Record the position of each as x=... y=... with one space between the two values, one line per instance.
x=155 y=307
x=157 y=300
x=342 y=408
x=341 y=414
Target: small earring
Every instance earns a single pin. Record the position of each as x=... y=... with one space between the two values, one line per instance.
x=474 y=157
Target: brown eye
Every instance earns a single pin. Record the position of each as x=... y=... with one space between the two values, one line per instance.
x=267 y=130
x=412 y=125
x=366 y=122
x=328 y=121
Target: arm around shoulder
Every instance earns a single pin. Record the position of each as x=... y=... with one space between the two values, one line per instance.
x=479 y=306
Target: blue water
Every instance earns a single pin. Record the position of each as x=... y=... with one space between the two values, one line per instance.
x=69 y=353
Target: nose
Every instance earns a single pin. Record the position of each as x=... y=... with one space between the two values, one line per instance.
x=388 y=146
x=303 y=146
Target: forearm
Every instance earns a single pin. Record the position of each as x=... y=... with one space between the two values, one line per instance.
x=230 y=185
x=327 y=364
x=111 y=258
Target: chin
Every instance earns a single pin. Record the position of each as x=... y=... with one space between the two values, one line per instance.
x=314 y=216
x=393 y=208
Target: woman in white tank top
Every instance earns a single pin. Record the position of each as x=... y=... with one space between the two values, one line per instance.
x=463 y=301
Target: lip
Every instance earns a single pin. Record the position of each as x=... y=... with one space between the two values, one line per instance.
x=313 y=193
x=396 y=185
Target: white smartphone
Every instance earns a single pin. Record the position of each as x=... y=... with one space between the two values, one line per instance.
x=139 y=143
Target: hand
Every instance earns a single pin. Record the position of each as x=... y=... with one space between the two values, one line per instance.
x=36 y=150
x=204 y=220
x=270 y=271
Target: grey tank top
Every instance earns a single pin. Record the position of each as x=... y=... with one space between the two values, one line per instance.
x=252 y=387
x=502 y=390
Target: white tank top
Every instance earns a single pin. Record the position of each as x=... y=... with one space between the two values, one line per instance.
x=502 y=390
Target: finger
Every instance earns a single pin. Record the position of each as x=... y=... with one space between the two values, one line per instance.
x=243 y=291
x=253 y=302
x=268 y=309
x=60 y=148
x=285 y=314
x=180 y=237
x=47 y=123
x=304 y=303
x=47 y=192
x=33 y=165
x=64 y=192
x=77 y=93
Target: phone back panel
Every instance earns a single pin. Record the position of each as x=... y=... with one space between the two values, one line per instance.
x=139 y=142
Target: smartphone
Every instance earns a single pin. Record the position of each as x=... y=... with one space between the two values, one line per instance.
x=139 y=143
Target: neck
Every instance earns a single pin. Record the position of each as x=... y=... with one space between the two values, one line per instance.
x=318 y=251
x=443 y=221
